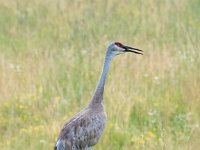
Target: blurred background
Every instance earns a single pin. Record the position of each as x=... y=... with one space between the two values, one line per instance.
x=51 y=56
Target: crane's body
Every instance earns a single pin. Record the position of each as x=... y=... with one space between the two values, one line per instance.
x=84 y=130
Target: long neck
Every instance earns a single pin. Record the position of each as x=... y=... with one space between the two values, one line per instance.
x=98 y=94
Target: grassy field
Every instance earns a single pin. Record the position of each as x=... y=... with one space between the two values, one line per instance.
x=51 y=54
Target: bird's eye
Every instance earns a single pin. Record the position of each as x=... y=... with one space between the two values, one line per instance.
x=118 y=44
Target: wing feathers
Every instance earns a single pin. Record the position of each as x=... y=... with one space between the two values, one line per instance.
x=82 y=131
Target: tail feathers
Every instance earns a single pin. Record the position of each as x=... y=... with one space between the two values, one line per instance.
x=55 y=147
x=59 y=145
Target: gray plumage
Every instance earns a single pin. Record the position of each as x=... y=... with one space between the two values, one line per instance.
x=84 y=130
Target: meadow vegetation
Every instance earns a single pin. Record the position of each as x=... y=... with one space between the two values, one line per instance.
x=51 y=54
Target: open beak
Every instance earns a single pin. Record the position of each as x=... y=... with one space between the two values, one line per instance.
x=133 y=50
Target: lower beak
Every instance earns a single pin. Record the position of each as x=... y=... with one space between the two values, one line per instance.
x=133 y=50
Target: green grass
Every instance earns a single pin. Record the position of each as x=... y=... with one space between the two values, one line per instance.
x=51 y=54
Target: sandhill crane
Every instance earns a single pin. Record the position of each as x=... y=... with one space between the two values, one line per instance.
x=84 y=130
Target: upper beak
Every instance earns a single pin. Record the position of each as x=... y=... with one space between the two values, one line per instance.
x=133 y=50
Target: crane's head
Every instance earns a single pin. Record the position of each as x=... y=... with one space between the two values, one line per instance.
x=116 y=48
